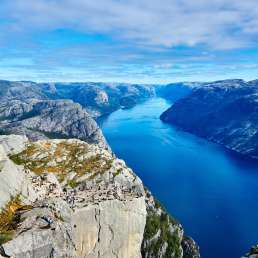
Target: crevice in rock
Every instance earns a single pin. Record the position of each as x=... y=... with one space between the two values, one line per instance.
x=2 y=252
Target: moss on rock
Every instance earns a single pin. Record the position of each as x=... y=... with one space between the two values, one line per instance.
x=61 y=159
x=157 y=231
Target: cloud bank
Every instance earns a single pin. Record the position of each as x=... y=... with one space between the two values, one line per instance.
x=163 y=34
x=219 y=23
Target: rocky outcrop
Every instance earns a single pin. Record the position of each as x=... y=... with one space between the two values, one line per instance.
x=253 y=253
x=68 y=198
x=114 y=229
x=49 y=119
x=190 y=248
x=11 y=178
x=163 y=235
x=224 y=112
x=83 y=201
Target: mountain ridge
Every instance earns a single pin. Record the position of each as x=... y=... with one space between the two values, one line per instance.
x=224 y=112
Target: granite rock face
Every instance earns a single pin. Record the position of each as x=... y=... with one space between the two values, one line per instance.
x=41 y=119
x=71 y=199
x=83 y=202
x=11 y=178
x=225 y=112
x=114 y=229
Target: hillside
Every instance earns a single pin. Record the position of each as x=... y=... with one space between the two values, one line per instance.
x=224 y=112
x=56 y=110
x=97 y=97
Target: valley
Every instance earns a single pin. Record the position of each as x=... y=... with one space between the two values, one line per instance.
x=210 y=190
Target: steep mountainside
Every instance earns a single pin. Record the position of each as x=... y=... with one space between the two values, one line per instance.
x=68 y=198
x=176 y=91
x=225 y=112
x=40 y=111
x=49 y=119
x=21 y=91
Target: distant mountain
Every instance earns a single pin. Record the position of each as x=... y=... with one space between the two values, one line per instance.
x=175 y=91
x=103 y=98
x=41 y=119
x=225 y=112
x=21 y=91
x=39 y=110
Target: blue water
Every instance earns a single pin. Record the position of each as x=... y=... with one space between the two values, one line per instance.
x=211 y=191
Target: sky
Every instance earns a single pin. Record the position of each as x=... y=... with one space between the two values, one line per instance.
x=137 y=41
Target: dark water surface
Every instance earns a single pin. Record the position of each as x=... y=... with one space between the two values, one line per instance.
x=211 y=191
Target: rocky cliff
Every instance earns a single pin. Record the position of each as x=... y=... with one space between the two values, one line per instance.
x=69 y=198
x=253 y=253
x=103 y=98
x=224 y=112
x=176 y=91
x=49 y=119
x=26 y=109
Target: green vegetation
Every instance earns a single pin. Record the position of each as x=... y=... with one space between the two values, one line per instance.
x=29 y=114
x=53 y=135
x=17 y=159
x=119 y=171
x=155 y=223
x=59 y=217
x=5 y=237
x=3 y=132
x=72 y=183
x=2 y=118
x=8 y=220
x=71 y=160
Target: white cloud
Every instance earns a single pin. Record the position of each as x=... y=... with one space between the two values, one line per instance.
x=222 y=24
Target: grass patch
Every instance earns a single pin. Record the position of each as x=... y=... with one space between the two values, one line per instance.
x=53 y=135
x=6 y=216
x=72 y=183
x=71 y=163
x=155 y=223
x=6 y=236
x=119 y=171
x=8 y=219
